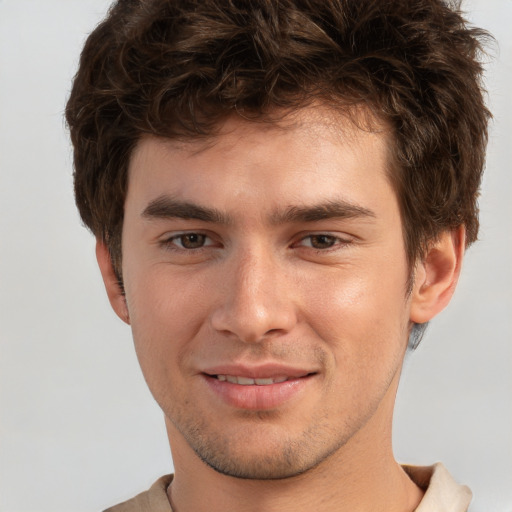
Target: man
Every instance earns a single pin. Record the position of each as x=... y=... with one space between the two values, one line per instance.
x=281 y=193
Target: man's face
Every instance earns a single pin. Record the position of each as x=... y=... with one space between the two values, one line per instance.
x=265 y=277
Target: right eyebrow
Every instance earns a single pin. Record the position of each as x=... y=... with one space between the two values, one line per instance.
x=165 y=207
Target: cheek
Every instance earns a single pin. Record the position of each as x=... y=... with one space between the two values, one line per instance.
x=165 y=316
x=362 y=325
x=363 y=315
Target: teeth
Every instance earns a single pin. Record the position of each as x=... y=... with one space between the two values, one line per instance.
x=264 y=382
x=247 y=381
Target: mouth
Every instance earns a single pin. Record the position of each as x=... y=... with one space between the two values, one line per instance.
x=248 y=381
x=258 y=389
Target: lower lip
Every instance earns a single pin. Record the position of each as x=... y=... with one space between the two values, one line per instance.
x=254 y=397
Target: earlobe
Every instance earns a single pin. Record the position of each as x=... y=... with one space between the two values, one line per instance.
x=114 y=290
x=436 y=276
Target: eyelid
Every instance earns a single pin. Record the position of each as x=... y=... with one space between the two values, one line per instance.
x=340 y=240
x=168 y=240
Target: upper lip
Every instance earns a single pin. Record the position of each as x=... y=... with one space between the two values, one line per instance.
x=264 y=371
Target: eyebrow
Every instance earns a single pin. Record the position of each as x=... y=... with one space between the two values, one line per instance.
x=166 y=207
x=338 y=209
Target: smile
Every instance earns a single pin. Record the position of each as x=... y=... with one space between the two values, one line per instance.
x=263 y=390
x=247 y=381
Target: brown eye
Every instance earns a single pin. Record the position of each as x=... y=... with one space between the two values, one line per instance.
x=191 y=240
x=322 y=241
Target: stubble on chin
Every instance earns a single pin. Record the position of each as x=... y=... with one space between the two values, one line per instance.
x=260 y=451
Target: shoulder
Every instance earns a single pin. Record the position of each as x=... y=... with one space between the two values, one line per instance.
x=442 y=492
x=152 y=500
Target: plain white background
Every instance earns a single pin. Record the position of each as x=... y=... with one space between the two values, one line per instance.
x=79 y=430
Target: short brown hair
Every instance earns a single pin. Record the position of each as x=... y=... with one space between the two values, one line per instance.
x=177 y=68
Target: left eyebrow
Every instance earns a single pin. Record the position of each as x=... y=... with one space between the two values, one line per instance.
x=328 y=210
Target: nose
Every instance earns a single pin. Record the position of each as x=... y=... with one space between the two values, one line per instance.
x=257 y=299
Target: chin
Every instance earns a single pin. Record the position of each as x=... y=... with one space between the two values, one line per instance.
x=272 y=467
x=265 y=458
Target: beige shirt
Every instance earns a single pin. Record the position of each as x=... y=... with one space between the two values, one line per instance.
x=442 y=493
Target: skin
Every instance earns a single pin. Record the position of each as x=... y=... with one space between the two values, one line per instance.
x=271 y=250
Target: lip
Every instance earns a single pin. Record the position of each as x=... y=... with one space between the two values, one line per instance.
x=256 y=397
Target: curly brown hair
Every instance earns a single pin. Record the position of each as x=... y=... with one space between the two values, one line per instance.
x=178 y=68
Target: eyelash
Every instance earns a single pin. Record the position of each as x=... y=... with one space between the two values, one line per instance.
x=337 y=242
x=170 y=243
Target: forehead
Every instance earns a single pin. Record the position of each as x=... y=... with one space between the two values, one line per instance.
x=308 y=156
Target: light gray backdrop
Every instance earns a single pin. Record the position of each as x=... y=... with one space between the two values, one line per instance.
x=79 y=430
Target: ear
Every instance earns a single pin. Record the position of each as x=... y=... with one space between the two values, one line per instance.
x=436 y=275
x=114 y=291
